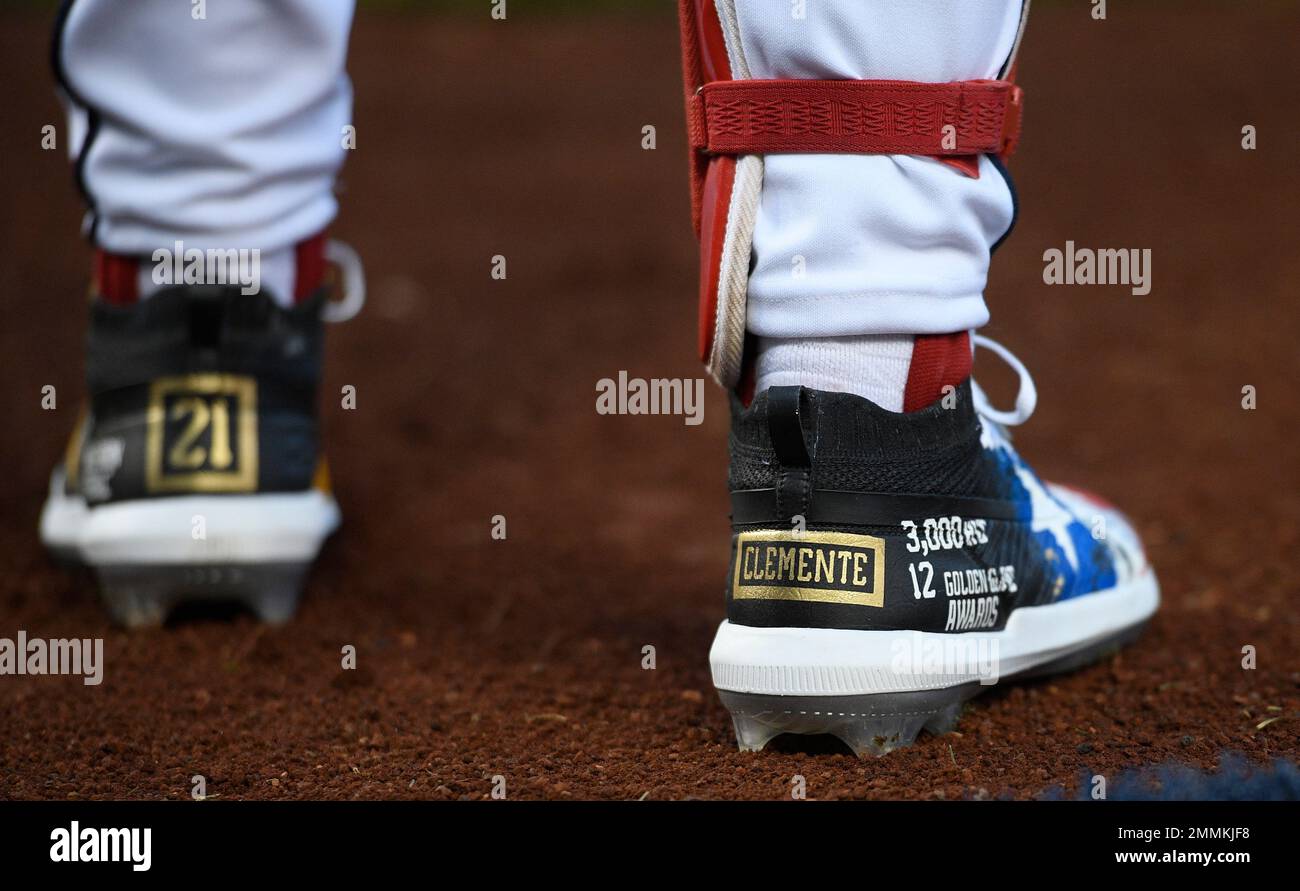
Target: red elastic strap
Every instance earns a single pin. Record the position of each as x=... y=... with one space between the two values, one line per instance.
x=889 y=117
x=938 y=361
x=117 y=278
x=309 y=266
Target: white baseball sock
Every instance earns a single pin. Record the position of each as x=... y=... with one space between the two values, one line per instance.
x=873 y=366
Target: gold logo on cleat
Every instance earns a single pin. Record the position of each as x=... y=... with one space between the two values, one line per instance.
x=825 y=567
x=202 y=434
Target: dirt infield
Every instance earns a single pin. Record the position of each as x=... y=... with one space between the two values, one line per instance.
x=522 y=657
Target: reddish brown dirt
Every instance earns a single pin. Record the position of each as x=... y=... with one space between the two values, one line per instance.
x=476 y=398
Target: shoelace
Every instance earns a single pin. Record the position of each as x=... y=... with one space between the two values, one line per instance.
x=353 y=286
x=1026 y=397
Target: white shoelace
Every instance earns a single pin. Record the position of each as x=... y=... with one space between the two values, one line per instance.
x=1026 y=397
x=353 y=286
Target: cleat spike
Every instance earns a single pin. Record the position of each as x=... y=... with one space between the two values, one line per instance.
x=132 y=601
x=139 y=596
x=751 y=733
x=869 y=724
x=945 y=720
x=875 y=736
x=275 y=600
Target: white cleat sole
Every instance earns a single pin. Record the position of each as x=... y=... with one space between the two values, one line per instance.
x=877 y=690
x=152 y=555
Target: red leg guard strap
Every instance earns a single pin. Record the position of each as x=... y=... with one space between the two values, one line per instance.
x=757 y=117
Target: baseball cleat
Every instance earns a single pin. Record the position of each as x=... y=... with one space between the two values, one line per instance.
x=888 y=567
x=195 y=473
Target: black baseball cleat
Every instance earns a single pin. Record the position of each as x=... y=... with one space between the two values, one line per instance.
x=195 y=474
x=887 y=567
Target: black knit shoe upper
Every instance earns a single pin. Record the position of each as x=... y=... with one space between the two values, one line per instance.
x=846 y=515
x=199 y=389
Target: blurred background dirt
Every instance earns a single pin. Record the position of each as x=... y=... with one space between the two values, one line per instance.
x=476 y=398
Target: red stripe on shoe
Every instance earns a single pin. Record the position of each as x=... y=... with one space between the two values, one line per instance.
x=938 y=361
